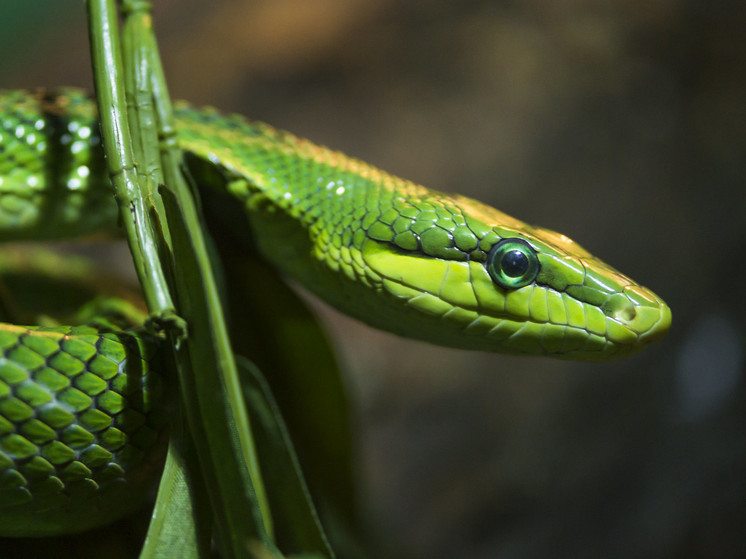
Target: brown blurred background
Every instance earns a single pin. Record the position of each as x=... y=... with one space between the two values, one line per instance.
x=620 y=123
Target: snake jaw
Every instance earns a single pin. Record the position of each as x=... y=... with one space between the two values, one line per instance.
x=457 y=304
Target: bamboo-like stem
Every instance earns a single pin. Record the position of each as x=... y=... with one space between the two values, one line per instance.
x=162 y=232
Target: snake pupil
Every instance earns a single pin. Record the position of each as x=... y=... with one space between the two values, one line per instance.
x=514 y=263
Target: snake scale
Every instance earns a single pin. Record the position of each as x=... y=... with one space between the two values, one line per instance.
x=82 y=408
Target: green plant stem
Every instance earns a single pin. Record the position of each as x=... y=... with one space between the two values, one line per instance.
x=205 y=363
x=117 y=140
x=155 y=120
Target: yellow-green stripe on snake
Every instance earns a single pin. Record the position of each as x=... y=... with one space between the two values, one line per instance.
x=431 y=266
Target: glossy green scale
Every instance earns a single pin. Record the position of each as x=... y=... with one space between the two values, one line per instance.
x=436 y=267
x=52 y=175
x=83 y=418
x=423 y=253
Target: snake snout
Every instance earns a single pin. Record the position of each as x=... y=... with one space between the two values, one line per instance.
x=641 y=312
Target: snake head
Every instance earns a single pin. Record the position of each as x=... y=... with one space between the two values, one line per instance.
x=436 y=267
x=568 y=303
x=498 y=284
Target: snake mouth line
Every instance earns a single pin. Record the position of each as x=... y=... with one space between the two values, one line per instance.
x=465 y=327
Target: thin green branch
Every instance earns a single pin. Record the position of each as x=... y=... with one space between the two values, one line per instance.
x=117 y=140
x=205 y=363
x=151 y=95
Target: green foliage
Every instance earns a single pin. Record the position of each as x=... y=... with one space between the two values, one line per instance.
x=232 y=426
x=233 y=483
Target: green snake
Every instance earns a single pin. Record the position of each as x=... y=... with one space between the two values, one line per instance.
x=82 y=408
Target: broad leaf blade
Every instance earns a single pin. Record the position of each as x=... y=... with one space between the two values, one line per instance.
x=218 y=419
x=297 y=526
x=179 y=526
x=292 y=352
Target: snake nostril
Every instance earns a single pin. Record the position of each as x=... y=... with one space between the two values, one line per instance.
x=628 y=313
x=620 y=308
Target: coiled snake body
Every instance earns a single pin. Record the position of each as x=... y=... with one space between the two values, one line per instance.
x=82 y=408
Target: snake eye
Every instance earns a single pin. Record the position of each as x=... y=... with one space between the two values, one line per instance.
x=512 y=263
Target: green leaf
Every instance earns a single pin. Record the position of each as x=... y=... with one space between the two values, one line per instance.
x=293 y=353
x=297 y=526
x=174 y=529
x=217 y=418
x=165 y=238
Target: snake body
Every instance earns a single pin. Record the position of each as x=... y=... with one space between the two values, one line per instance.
x=81 y=408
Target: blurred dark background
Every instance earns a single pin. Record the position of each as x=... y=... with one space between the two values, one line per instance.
x=620 y=123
